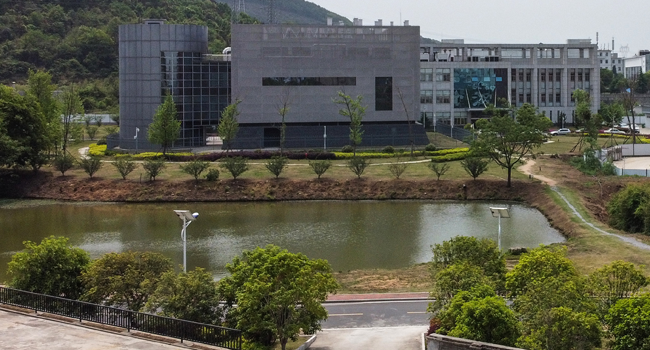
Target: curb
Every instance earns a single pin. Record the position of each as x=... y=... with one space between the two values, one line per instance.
x=308 y=343
x=372 y=299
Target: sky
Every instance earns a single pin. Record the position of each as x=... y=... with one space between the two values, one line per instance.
x=512 y=21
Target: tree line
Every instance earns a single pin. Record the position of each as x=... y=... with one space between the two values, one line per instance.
x=553 y=307
x=270 y=294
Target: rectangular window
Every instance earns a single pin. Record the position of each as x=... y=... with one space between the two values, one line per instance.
x=426 y=96
x=383 y=93
x=528 y=98
x=426 y=118
x=443 y=96
x=521 y=98
x=558 y=75
x=309 y=81
x=572 y=75
x=426 y=74
x=558 y=98
x=513 y=75
x=521 y=75
x=443 y=74
x=542 y=75
x=543 y=98
x=528 y=74
x=586 y=76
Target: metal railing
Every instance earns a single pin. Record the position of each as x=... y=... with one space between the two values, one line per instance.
x=131 y=320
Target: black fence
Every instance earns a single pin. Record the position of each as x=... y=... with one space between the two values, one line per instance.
x=131 y=320
x=457 y=133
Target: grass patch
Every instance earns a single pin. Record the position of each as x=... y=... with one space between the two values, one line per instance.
x=416 y=278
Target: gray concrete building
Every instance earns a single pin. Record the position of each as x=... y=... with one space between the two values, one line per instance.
x=458 y=81
x=156 y=59
x=307 y=65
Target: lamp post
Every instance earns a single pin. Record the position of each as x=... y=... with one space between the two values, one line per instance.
x=136 y=139
x=187 y=220
x=500 y=213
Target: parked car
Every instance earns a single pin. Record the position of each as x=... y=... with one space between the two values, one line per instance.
x=563 y=131
x=613 y=131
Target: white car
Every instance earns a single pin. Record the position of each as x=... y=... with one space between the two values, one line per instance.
x=613 y=131
x=563 y=131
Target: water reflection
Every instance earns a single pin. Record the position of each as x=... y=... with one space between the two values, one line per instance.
x=351 y=235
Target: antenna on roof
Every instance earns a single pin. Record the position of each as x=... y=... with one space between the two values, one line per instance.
x=271 y=11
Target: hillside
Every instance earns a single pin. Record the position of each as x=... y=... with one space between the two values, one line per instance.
x=77 y=40
x=290 y=11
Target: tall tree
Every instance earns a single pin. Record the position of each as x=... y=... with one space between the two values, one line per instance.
x=354 y=110
x=124 y=279
x=283 y=107
x=277 y=293
x=52 y=267
x=40 y=86
x=228 y=125
x=165 y=128
x=506 y=140
x=71 y=106
x=629 y=322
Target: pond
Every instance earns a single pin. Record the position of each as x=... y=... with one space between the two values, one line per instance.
x=349 y=234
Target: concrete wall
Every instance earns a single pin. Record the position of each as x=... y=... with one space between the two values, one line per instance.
x=140 y=47
x=443 y=342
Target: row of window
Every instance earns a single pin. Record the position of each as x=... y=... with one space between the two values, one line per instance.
x=309 y=81
x=442 y=74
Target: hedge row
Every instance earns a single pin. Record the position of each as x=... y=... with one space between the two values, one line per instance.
x=450 y=157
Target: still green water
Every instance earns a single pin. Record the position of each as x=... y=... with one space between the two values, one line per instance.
x=350 y=235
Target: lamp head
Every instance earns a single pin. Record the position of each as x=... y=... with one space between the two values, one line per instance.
x=195 y=215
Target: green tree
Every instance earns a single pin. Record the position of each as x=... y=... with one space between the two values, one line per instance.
x=397 y=168
x=439 y=169
x=235 y=165
x=276 y=165
x=320 y=167
x=483 y=253
x=629 y=209
x=228 y=125
x=70 y=107
x=629 y=322
x=277 y=293
x=474 y=166
x=188 y=296
x=355 y=111
x=606 y=78
x=52 y=267
x=91 y=165
x=124 y=279
x=125 y=166
x=195 y=168
x=565 y=330
x=283 y=108
x=24 y=124
x=456 y=278
x=39 y=85
x=506 y=140
x=358 y=165
x=615 y=281
x=165 y=128
x=537 y=265
x=488 y=320
x=153 y=167
x=63 y=162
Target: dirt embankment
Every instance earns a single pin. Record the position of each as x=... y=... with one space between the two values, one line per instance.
x=46 y=186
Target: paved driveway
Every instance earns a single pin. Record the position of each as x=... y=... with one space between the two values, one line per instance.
x=380 y=338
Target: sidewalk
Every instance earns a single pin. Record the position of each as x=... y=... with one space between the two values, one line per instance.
x=376 y=297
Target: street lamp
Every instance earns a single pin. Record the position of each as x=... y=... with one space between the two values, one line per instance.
x=187 y=220
x=500 y=213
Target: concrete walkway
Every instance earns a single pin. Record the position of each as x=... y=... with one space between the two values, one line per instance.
x=337 y=298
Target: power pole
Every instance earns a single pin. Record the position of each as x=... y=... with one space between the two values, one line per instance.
x=271 y=12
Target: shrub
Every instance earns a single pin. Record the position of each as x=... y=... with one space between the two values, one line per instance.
x=111 y=129
x=91 y=165
x=235 y=165
x=347 y=149
x=102 y=141
x=388 y=149
x=195 y=168
x=439 y=169
x=212 y=175
x=450 y=157
x=430 y=148
x=153 y=167
x=397 y=168
x=320 y=166
x=474 y=166
x=125 y=166
x=340 y=155
x=92 y=131
x=629 y=209
x=63 y=163
x=276 y=165
x=358 y=165
x=97 y=150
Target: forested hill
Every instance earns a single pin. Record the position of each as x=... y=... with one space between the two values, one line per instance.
x=76 y=40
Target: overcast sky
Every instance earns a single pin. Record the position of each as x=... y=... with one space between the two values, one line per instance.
x=512 y=21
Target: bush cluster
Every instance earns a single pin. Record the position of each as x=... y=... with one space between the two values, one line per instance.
x=450 y=157
x=96 y=150
x=629 y=209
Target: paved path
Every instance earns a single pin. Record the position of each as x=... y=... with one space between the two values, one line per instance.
x=20 y=331
x=377 y=297
x=526 y=170
x=383 y=338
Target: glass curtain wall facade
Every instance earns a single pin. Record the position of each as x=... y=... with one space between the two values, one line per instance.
x=480 y=87
x=201 y=91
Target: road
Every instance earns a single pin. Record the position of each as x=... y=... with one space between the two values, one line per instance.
x=377 y=314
